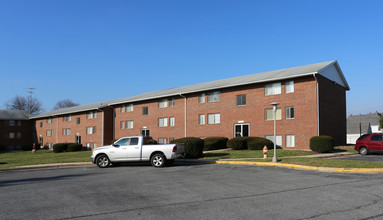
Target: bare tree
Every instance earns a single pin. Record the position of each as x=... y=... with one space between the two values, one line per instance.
x=66 y=103
x=30 y=105
x=380 y=120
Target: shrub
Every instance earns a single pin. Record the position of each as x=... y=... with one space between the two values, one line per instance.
x=215 y=143
x=322 y=144
x=60 y=147
x=238 y=143
x=257 y=143
x=193 y=146
x=74 y=147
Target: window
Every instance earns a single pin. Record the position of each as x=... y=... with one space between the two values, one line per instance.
x=67 y=118
x=49 y=132
x=201 y=119
x=290 y=140
x=201 y=98
x=89 y=145
x=78 y=120
x=41 y=124
x=66 y=131
x=162 y=140
x=91 y=130
x=94 y=145
x=214 y=118
x=279 y=139
x=213 y=96
x=11 y=135
x=129 y=124
x=91 y=115
x=171 y=139
x=289 y=87
x=18 y=123
x=12 y=123
x=163 y=103
x=129 y=108
x=241 y=100
x=18 y=135
x=49 y=120
x=172 y=121
x=163 y=122
x=269 y=114
x=145 y=111
x=289 y=112
x=172 y=102
x=273 y=89
x=376 y=138
x=122 y=124
x=133 y=141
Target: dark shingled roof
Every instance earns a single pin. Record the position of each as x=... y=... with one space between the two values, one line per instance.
x=14 y=115
x=353 y=122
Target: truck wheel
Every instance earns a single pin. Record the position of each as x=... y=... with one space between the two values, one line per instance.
x=102 y=161
x=158 y=160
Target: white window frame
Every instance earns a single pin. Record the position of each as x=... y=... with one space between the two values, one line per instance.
x=122 y=124
x=162 y=122
x=129 y=107
x=129 y=124
x=91 y=130
x=214 y=96
x=289 y=87
x=12 y=123
x=172 y=102
x=163 y=103
x=242 y=100
x=91 y=115
x=172 y=121
x=11 y=135
x=201 y=98
x=202 y=119
x=279 y=139
x=49 y=120
x=288 y=112
x=162 y=140
x=290 y=140
x=273 y=89
x=278 y=114
x=214 y=118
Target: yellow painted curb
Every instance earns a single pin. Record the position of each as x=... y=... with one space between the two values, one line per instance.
x=295 y=166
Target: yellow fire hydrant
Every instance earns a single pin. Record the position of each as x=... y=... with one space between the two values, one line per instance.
x=265 y=151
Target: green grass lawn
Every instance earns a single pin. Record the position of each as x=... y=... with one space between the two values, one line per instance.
x=22 y=158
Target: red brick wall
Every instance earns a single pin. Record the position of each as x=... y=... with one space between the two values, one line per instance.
x=25 y=129
x=304 y=125
x=58 y=125
x=332 y=116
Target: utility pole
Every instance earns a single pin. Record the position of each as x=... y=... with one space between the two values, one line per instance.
x=29 y=105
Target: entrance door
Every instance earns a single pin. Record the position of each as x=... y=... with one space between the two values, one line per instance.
x=41 y=141
x=145 y=132
x=241 y=130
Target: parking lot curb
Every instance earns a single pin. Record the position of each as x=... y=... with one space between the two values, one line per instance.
x=295 y=166
x=46 y=166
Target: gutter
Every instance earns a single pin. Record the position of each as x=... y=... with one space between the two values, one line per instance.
x=185 y=112
x=317 y=91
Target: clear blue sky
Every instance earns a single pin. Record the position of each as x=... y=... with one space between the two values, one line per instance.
x=92 y=50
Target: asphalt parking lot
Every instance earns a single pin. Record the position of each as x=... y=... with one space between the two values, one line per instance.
x=376 y=157
x=189 y=191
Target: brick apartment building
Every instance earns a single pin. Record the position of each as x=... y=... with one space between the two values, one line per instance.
x=16 y=130
x=312 y=102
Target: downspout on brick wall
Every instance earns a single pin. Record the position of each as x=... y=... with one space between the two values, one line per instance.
x=185 y=113
x=317 y=91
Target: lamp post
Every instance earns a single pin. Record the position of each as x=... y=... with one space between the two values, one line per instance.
x=274 y=104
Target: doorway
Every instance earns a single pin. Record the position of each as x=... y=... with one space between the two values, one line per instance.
x=241 y=130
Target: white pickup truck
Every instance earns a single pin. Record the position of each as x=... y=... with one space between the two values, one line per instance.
x=134 y=148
